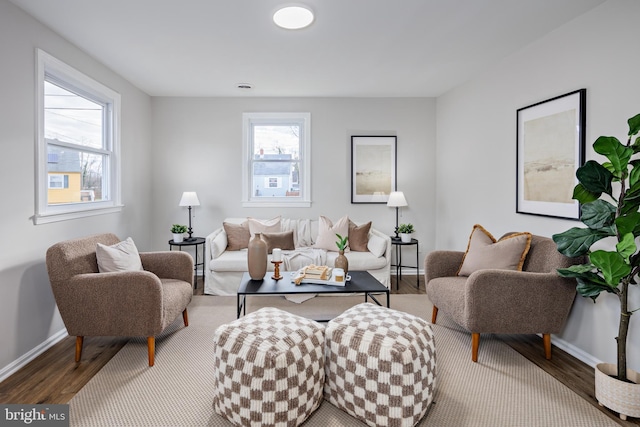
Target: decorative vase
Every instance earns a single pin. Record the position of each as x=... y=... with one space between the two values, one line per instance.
x=405 y=237
x=178 y=237
x=257 y=258
x=619 y=396
x=342 y=262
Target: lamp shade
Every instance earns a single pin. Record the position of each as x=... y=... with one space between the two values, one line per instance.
x=396 y=199
x=189 y=198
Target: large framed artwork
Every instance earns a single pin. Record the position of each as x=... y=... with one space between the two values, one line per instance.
x=550 y=149
x=373 y=168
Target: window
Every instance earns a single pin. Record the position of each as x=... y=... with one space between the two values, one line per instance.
x=78 y=144
x=276 y=165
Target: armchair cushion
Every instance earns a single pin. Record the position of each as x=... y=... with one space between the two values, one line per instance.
x=485 y=252
x=122 y=256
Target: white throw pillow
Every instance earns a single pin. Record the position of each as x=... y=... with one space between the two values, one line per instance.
x=272 y=225
x=377 y=245
x=327 y=232
x=122 y=256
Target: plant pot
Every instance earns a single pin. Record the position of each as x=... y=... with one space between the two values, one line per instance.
x=619 y=396
x=342 y=262
x=257 y=257
x=405 y=237
x=178 y=238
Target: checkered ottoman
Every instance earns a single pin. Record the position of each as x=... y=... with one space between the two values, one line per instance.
x=380 y=365
x=268 y=369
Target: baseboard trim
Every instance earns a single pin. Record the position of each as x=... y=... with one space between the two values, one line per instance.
x=576 y=352
x=21 y=362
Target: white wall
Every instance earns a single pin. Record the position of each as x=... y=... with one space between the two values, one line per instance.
x=205 y=136
x=28 y=313
x=476 y=152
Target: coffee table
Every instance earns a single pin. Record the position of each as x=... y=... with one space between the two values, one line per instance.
x=361 y=282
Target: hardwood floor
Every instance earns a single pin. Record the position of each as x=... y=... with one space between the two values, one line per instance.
x=54 y=377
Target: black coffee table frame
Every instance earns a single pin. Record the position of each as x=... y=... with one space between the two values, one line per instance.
x=362 y=282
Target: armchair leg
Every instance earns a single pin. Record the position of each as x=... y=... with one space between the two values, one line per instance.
x=434 y=314
x=151 y=346
x=546 y=339
x=79 y=341
x=475 y=344
x=185 y=317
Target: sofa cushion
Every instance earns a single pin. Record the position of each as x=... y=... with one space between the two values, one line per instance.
x=264 y=225
x=359 y=236
x=377 y=246
x=237 y=235
x=359 y=260
x=327 y=232
x=282 y=240
x=122 y=256
x=485 y=252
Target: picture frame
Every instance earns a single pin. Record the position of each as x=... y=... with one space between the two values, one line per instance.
x=373 y=168
x=550 y=149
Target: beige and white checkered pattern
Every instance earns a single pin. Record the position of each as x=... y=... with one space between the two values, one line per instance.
x=269 y=369
x=380 y=365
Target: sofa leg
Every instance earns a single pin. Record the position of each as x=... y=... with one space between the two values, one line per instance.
x=475 y=344
x=151 y=347
x=79 y=341
x=546 y=339
x=434 y=314
x=185 y=317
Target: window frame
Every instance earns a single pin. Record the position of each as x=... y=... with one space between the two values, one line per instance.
x=57 y=72
x=251 y=119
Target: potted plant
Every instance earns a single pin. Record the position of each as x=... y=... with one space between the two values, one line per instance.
x=405 y=230
x=342 y=261
x=616 y=217
x=178 y=232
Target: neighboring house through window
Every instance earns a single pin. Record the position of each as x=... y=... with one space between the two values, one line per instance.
x=276 y=160
x=78 y=171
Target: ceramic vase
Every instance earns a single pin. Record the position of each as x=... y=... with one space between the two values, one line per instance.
x=257 y=258
x=342 y=262
x=619 y=396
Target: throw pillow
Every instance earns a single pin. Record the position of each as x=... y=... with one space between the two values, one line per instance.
x=264 y=225
x=282 y=240
x=122 y=256
x=237 y=235
x=377 y=245
x=359 y=236
x=327 y=232
x=484 y=251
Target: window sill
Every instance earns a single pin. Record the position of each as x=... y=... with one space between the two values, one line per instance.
x=274 y=204
x=47 y=218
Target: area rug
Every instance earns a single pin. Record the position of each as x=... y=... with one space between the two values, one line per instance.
x=502 y=389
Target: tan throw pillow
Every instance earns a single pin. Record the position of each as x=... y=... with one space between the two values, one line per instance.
x=359 y=236
x=122 y=256
x=282 y=240
x=327 y=232
x=237 y=235
x=264 y=226
x=484 y=251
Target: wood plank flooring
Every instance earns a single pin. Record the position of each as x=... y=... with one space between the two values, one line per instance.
x=54 y=377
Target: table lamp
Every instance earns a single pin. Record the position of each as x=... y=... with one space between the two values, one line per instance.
x=190 y=198
x=397 y=200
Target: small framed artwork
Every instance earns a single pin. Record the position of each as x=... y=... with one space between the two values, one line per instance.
x=373 y=168
x=550 y=149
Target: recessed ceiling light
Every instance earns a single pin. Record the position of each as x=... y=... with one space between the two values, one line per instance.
x=244 y=86
x=293 y=17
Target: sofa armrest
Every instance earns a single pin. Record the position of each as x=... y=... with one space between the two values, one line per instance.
x=169 y=264
x=387 y=239
x=442 y=264
x=216 y=243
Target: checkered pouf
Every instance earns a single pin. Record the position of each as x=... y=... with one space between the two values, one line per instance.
x=380 y=365
x=268 y=369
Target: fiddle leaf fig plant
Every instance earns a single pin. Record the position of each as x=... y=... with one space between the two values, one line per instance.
x=616 y=216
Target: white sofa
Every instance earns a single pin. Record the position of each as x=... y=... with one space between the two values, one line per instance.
x=224 y=269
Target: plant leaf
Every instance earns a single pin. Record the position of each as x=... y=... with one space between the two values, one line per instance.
x=577 y=241
x=612 y=265
x=583 y=195
x=590 y=289
x=634 y=124
x=629 y=223
x=631 y=201
x=626 y=247
x=618 y=154
x=595 y=178
x=634 y=176
x=598 y=214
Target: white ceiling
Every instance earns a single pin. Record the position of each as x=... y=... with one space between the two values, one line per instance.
x=354 y=48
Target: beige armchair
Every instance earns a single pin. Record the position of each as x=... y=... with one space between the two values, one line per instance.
x=122 y=303
x=534 y=300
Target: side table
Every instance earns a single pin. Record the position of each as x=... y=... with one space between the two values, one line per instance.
x=398 y=246
x=195 y=241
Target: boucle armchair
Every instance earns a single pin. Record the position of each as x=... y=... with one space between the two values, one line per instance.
x=120 y=303
x=534 y=300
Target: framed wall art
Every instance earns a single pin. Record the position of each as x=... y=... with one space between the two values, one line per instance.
x=550 y=148
x=373 y=168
